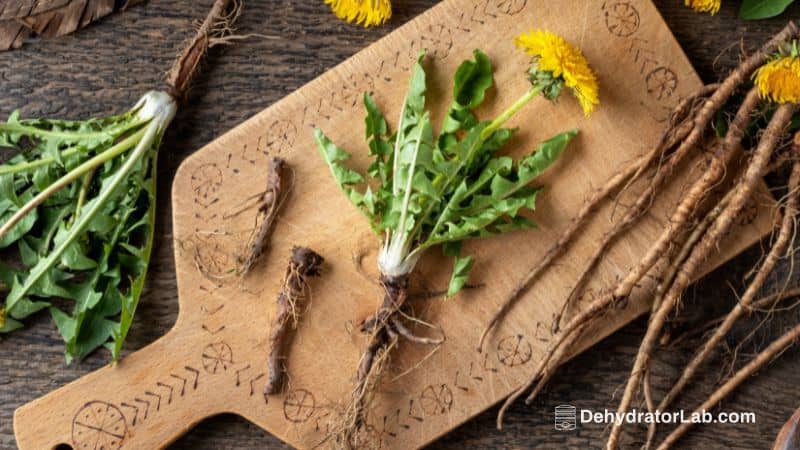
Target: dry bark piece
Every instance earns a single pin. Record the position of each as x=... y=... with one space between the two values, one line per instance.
x=51 y=18
x=304 y=264
x=789 y=436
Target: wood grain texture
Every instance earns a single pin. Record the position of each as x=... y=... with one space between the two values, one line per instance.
x=242 y=82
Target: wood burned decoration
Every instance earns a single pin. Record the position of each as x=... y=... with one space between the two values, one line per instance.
x=280 y=137
x=299 y=406
x=99 y=425
x=436 y=399
x=514 y=350
x=622 y=19
x=206 y=181
x=213 y=361
x=217 y=357
x=661 y=83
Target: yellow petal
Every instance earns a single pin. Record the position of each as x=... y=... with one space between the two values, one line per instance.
x=554 y=54
x=707 y=6
x=779 y=80
x=366 y=12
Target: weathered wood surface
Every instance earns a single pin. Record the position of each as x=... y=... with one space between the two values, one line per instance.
x=75 y=82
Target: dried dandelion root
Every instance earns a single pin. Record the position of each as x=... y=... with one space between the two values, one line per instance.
x=679 y=130
x=569 y=334
x=686 y=132
x=304 y=263
x=744 y=189
x=270 y=202
x=786 y=234
x=774 y=350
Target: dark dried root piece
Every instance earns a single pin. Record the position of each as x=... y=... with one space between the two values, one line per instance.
x=216 y=26
x=351 y=430
x=774 y=350
x=304 y=264
x=744 y=189
x=386 y=329
x=269 y=204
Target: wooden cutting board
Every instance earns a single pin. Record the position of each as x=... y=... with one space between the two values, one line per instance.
x=213 y=360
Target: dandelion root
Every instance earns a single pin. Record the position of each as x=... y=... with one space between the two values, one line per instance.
x=304 y=263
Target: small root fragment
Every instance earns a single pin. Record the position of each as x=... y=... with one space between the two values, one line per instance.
x=216 y=25
x=774 y=350
x=304 y=264
x=270 y=203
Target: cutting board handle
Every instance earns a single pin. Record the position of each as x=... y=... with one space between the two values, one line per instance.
x=145 y=401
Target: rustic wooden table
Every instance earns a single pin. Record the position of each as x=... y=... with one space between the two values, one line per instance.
x=105 y=68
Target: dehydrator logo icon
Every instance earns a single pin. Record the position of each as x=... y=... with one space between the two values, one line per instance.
x=566 y=418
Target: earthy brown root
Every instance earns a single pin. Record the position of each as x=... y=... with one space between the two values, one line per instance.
x=303 y=264
x=565 y=338
x=758 y=362
x=215 y=26
x=678 y=130
x=700 y=123
x=785 y=236
x=270 y=203
x=744 y=189
x=383 y=337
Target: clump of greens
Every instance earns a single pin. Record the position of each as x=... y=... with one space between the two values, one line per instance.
x=427 y=189
x=77 y=211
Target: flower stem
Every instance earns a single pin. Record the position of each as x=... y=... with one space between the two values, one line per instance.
x=142 y=142
x=71 y=176
x=508 y=113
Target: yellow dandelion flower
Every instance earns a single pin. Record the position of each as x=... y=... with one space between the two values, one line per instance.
x=365 y=12
x=555 y=55
x=706 y=6
x=2 y=317
x=779 y=80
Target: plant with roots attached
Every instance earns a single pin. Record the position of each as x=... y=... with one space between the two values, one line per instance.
x=77 y=209
x=430 y=190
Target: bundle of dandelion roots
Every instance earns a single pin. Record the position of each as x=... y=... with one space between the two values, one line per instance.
x=699 y=223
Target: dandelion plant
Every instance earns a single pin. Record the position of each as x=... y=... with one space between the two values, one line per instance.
x=426 y=189
x=77 y=210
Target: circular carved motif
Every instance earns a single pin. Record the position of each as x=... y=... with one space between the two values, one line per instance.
x=514 y=350
x=280 y=137
x=98 y=425
x=661 y=83
x=217 y=357
x=622 y=19
x=299 y=406
x=436 y=399
x=206 y=180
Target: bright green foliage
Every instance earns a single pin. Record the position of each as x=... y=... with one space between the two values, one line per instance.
x=84 y=251
x=763 y=9
x=427 y=190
